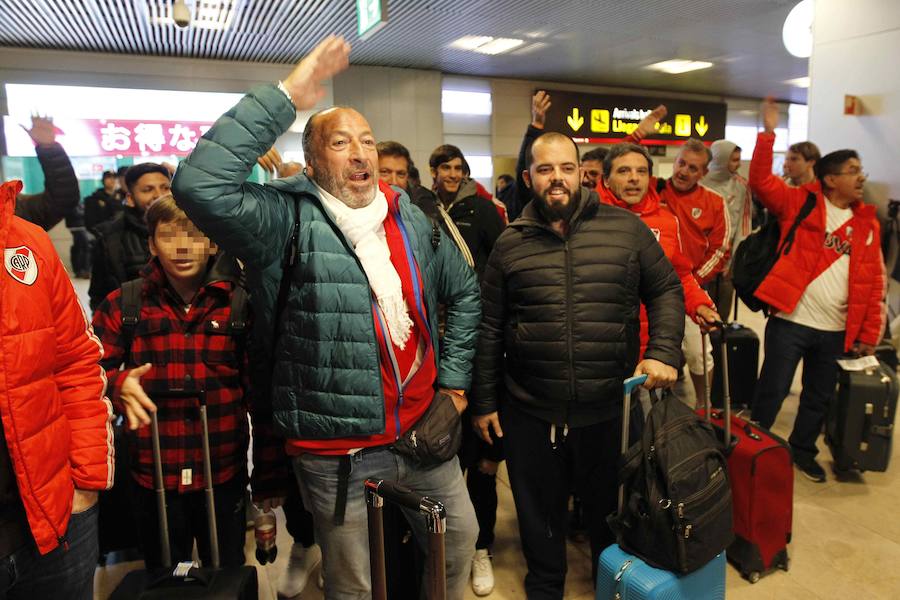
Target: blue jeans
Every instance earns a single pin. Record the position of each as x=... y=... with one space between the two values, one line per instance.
x=786 y=343
x=60 y=574
x=345 y=548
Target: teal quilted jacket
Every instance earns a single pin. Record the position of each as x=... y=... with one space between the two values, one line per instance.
x=327 y=378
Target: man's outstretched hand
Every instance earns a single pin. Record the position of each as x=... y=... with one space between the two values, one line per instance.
x=329 y=58
x=42 y=132
x=540 y=104
x=649 y=124
x=769 y=112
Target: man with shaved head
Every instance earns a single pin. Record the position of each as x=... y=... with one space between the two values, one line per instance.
x=561 y=297
x=357 y=362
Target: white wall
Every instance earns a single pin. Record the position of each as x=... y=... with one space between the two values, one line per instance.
x=855 y=50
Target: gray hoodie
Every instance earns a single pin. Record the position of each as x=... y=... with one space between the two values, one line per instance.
x=733 y=188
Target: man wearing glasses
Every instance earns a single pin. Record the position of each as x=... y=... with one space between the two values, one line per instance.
x=826 y=295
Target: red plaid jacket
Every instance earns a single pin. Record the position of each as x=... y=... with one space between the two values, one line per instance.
x=190 y=350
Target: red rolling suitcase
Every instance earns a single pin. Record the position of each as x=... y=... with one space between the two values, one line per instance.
x=762 y=490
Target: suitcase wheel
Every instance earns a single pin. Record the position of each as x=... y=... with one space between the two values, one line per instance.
x=786 y=565
x=753 y=577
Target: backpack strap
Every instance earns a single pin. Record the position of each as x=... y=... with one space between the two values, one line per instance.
x=131 y=314
x=805 y=210
x=237 y=324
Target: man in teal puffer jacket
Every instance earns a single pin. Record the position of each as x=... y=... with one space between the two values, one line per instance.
x=357 y=361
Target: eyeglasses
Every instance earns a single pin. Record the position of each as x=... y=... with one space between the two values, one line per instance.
x=853 y=173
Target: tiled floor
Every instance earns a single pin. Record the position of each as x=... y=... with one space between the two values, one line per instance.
x=846 y=539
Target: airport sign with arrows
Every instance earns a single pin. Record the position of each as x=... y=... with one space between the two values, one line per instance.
x=606 y=119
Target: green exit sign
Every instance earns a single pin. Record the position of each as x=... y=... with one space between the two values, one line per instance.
x=371 y=15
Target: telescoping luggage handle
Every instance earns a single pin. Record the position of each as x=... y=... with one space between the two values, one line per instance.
x=726 y=384
x=159 y=483
x=378 y=490
x=630 y=384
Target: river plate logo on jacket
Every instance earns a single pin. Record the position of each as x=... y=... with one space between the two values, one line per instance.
x=21 y=264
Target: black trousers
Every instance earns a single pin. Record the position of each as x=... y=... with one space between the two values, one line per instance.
x=542 y=474
x=482 y=487
x=80 y=252
x=187 y=522
x=298 y=520
x=786 y=344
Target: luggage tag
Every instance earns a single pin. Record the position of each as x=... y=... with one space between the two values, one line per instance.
x=183 y=569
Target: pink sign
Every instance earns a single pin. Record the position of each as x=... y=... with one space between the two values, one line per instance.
x=145 y=137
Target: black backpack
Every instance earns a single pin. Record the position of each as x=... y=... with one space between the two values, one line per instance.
x=677 y=512
x=757 y=254
x=131 y=314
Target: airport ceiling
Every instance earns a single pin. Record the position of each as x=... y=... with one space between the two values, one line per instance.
x=602 y=42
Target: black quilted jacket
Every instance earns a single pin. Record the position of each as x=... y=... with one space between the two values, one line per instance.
x=560 y=321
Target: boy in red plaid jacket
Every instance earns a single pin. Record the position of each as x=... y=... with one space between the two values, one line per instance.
x=187 y=339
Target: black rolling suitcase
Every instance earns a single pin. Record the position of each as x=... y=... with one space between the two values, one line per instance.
x=377 y=491
x=860 y=425
x=234 y=583
x=743 y=357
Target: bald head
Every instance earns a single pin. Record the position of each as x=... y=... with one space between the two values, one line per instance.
x=558 y=140
x=315 y=125
x=341 y=155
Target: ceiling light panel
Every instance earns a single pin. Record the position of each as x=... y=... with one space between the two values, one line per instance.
x=679 y=65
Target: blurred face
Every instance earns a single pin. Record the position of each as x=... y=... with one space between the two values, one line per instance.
x=734 y=163
x=591 y=171
x=554 y=176
x=148 y=188
x=345 y=157
x=690 y=168
x=182 y=249
x=630 y=178
x=796 y=167
x=848 y=182
x=109 y=184
x=447 y=178
x=393 y=170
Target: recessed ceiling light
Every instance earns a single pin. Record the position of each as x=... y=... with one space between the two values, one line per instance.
x=797 y=31
x=486 y=44
x=499 y=46
x=679 y=65
x=800 y=82
x=471 y=42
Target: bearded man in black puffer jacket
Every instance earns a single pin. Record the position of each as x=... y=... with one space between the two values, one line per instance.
x=561 y=295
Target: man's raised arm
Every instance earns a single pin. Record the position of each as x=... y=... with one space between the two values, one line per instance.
x=251 y=221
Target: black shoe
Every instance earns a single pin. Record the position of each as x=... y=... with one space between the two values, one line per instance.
x=811 y=468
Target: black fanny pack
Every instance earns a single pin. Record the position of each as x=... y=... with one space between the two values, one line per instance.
x=435 y=438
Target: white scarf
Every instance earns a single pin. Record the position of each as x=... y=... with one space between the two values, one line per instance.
x=364 y=227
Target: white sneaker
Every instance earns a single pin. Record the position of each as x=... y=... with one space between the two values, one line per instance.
x=301 y=563
x=482 y=573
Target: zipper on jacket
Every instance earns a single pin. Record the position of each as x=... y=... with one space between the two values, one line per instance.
x=569 y=342
x=395 y=368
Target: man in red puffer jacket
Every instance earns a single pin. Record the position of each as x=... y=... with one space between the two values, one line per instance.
x=626 y=184
x=58 y=449
x=826 y=295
